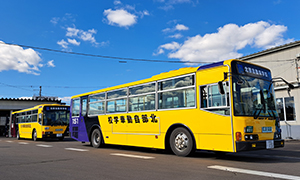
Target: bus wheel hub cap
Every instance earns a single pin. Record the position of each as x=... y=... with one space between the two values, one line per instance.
x=181 y=141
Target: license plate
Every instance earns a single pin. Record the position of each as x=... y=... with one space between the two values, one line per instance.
x=58 y=135
x=270 y=144
x=266 y=129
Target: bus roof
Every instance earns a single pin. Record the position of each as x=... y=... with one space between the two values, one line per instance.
x=36 y=107
x=164 y=75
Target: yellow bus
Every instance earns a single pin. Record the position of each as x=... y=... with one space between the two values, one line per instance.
x=227 y=106
x=42 y=121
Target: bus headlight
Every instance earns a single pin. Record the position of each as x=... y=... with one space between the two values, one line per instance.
x=251 y=137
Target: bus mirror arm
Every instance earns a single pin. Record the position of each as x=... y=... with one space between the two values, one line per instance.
x=220 y=84
x=225 y=75
x=277 y=79
x=221 y=87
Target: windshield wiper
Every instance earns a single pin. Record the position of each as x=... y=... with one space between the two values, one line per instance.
x=272 y=114
x=256 y=115
x=263 y=104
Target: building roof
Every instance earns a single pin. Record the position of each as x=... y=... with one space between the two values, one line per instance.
x=271 y=50
x=40 y=99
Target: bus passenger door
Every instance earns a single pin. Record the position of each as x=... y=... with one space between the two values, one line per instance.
x=77 y=123
x=83 y=118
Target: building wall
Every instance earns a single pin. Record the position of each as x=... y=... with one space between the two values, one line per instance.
x=283 y=63
x=291 y=128
x=17 y=105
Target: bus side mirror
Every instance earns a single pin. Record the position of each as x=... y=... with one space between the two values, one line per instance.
x=221 y=87
x=40 y=118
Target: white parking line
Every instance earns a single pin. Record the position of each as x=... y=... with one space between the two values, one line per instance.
x=252 y=172
x=132 y=156
x=75 y=149
x=44 y=145
x=9 y=141
x=23 y=143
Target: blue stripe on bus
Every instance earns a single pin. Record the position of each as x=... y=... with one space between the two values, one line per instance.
x=211 y=65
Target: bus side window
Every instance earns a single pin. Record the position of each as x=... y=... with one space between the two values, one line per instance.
x=83 y=107
x=212 y=100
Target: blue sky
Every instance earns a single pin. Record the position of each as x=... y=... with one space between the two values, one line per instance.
x=189 y=31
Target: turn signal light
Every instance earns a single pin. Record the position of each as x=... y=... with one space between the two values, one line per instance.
x=238 y=136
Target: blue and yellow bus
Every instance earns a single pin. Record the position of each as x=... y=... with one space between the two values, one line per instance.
x=227 y=106
x=42 y=121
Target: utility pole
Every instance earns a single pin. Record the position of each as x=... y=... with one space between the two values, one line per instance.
x=40 y=94
x=297 y=66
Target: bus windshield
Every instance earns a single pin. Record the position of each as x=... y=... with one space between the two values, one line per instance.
x=56 y=117
x=253 y=97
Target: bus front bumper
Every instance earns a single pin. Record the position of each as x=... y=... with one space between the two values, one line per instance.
x=256 y=145
x=51 y=135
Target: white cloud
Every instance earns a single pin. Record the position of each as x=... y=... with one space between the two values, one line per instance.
x=116 y=2
x=169 y=4
x=66 y=17
x=81 y=34
x=55 y=20
x=76 y=35
x=50 y=63
x=176 y=36
x=169 y=46
x=120 y=17
x=72 y=32
x=88 y=35
x=19 y=59
x=146 y=13
x=124 y=15
x=63 y=44
x=159 y=51
x=181 y=27
x=167 y=30
x=74 y=42
x=178 y=27
x=271 y=36
x=225 y=43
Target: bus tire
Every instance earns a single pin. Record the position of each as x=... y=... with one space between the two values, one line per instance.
x=34 y=135
x=18 y=135
x=96 y=138
x=181 y=142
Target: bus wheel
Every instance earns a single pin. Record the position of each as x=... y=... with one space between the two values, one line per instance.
x=181 y=142
x=34 y=135
x=18 y=135
x=96 y=138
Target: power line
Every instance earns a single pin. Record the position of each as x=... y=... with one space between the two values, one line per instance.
x=124 y=59
x=102 y=56
x=18 y=87
x=61 y=87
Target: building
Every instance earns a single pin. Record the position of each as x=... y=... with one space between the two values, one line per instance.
x=8 y=105
x=284 y=62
